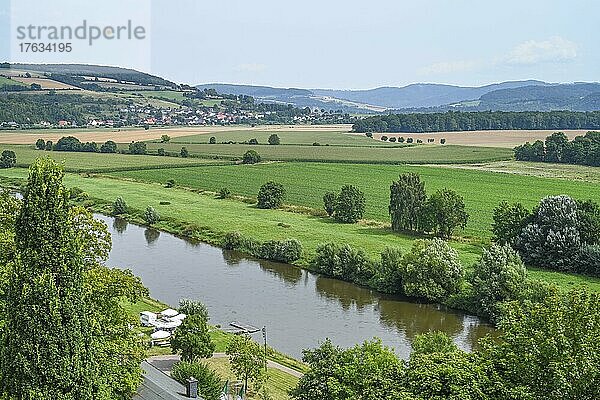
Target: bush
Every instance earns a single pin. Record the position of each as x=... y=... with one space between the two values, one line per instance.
x=108 y=147
x=8 y=159
x=209 y=383
x=184 y=153
x=509 y=221
x=165 y=139
x=274 y=139
x=343 y=262
x=589 y=260
x=384 y=138
x=151 y=216
x=442 y=141
x=369 y=134
x=392 y=139
x=119 y=206
x=40 y=144
x=350 y=204
x=401 y=139
x=253 y=141
x=232 y=241
x=433 y=342
x=137 y=148
x=387 y=274
x=285 y=251
x=212 y=140
x=329 y=200
x=251 y=157
x=49 y=145
x=499 y=276
x=271 y=195
x=224 y=193
x=161 y=152
x=170 y=183
x=431 y=270
x=316 y=144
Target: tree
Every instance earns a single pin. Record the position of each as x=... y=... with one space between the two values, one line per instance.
x=151 y=216
x=212 y=140
x=119 y=206
x=274 y=139
x=556 y=145
x=210 y=385
x=509 y=221
x=271 y=195
x=499 y=276
x=445 y=213
x=137 y=148
x=432 y=270
x=192 y=338
x=47 y=335
x=247 y=359
x=108 y=147
x=387 y=274
x=184 y=153
x=433 y=342
x=68 y=143
x=251 y=157
x=40 y=144
x=165 y=138
x=191 y=307
x=161 y=152
x=49 y=145
x=407 y=200
x=8 y=159
x=350 y=204
x=329 y=201
x=253 y=141
x=588 y=215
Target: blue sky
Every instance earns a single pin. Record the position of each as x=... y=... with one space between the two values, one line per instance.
x=363 y=44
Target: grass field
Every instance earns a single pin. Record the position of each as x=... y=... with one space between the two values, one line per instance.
x=4 y=81
x=419 y=154
x=76 y=162
x=214 y=217
x=306 y=183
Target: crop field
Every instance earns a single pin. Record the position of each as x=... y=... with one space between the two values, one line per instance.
x=4 y=81
x=96 y=162
x=418 y=154
x=305 y=184
x=45 y=83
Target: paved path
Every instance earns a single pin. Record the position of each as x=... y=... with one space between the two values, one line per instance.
x=165 y=364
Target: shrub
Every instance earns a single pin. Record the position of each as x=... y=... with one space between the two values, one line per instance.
x=212 y=140
x=384 y=138
x=329 y=200
x=284 y=251
x=108 y=147
x=224 y=193
x=165 y=139
x=409 y=140
x=387 y=274
x=119 y=206
x=184 y=153
x=401 y=139
x=442 y=141
x=433 y=342
x=170 y=183
x=8 y=159
x=271 y=195
x=49 y=145
x=151 y=216
x=589 y=260
x=588 y=215
x=137 y=148
x=431 y=270
x=392 y=139
x=274 y=139
x=369 y=134
x=209 y=383
x=509 y=221
x=316 y=144
x=350 y=204
x=253 y=141
x=161 y=152
x=499 y=276
x=343 y=262
x=40 y=144
x=251 y=157
x=232 y=241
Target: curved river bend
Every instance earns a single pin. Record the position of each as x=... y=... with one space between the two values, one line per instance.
x=299 y=308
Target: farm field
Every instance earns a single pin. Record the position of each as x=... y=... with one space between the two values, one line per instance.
x=305 y=184
x=199 y=210
x=4 y=81
x=76 y=162
x=418 y=154
x=45 y=83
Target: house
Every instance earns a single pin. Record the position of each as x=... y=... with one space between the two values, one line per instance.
x=159 y=386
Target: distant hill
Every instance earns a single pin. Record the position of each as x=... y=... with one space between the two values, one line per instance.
x=100 y=71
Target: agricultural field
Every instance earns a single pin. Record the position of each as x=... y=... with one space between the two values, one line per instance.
x=97 y=162
x=167 y=94
x=417 y=154
x=45 y=83
x=305 y=184
x=4 y=81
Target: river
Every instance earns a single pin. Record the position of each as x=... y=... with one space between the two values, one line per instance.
x=299 y=308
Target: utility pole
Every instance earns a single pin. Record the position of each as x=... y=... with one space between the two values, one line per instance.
x=264 y=333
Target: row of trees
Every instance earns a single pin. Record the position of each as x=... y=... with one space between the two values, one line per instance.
x=582 y=150
x=412 y=210
x=71 y=143
x=560 y=233
x=545 y=350
x=475 y=121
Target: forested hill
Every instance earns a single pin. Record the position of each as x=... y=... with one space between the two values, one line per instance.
x=473 y=121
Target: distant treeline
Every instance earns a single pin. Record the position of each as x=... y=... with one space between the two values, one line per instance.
x=582 y=150
x=475 y=121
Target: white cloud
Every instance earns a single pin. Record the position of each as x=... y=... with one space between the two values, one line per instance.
x=251 y=67
x=551 y=50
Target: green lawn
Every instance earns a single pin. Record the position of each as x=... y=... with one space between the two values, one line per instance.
x=4 y=81
x=305 y=184
x=101 y=162
x=419 y=154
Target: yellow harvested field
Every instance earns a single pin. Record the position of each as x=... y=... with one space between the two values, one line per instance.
x=45 y=83
x=508 y=138
x=140 y=134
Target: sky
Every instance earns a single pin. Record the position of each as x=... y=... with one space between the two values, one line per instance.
x=339 y=44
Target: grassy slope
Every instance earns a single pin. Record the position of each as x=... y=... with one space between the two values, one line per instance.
x=98 y=161
x=422 y=154
x=306 y=183
x=218 y=216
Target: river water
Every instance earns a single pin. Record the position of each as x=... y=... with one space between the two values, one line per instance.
x=299 y=308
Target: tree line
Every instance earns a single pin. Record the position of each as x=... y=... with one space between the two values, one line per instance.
x=474 y=121
x=582 y=150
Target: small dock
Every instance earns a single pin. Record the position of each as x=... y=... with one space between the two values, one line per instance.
x=239 y=328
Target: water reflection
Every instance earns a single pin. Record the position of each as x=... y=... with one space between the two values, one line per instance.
x=119 y=225
x=300 y=308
